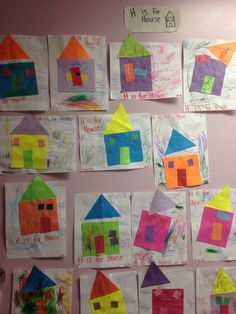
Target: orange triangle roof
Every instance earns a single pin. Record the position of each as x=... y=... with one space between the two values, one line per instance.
x=10 y=50
x=74 y=50
x=224 y=52
x=102 y=286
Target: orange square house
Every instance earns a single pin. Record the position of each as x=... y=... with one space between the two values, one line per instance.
x=38 y=211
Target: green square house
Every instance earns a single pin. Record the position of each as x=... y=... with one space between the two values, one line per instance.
x=101 y=237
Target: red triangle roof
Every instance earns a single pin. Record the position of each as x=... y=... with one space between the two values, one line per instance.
x=10 y=50
x=102 y=286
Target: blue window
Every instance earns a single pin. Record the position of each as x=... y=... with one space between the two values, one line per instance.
x=170 y=164
x=190 y=162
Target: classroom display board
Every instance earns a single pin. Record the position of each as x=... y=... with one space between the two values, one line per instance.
x=117 y=154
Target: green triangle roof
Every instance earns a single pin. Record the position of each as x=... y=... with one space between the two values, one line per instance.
x=132 y=48
x=37 y=190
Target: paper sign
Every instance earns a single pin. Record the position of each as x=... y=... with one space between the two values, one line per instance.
x=151 y=19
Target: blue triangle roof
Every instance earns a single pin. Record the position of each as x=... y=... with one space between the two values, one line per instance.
x=178 y=142
x=37 y=280
x=102 y=208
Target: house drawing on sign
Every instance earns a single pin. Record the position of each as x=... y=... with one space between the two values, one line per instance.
x=208 y=73
x=123 y=144
x=101 y=237
x=106 y=297
x=38 y=293
x=135 y=66
x=29 y=144
x=181 y=170
x=76 y=69
x=217 y=219
x=38 y=209
x=17 y=72
x=170 y=19
x=223 y=296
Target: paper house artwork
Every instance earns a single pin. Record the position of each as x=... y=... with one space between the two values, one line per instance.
x=23 y=73
x=102 y=237
x=164 y=291
x=35 y=219
x=159 y=228
x=213 y=224
x=145 y=70
x=78 y=72
x=38 y=211
x=118 y=141
x=180 y=150
x=109 y=292
x=29 y=144
x=209 y=75
x=123 y=144
x=105 y=296
x=217 y=219
x=42 y=292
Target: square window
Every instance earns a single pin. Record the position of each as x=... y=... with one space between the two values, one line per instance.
x=226 y=300
x=49 y=206
x=114 y=304
x=26 y=297
x=190 y=162
x=48 y=294
x=40 y=206
x=112 y=233
x=223 y=216
x=114 y=241
x=219 y=300
x=170 y=164
x=97 y=306
x=134 y=137
x=6 y=72
x=29 y=72
x=41 y=143
x=16 y=141
x=112 y=141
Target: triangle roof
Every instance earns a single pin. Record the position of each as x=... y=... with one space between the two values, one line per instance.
x=37 y=190
x=30 y=125
x=170 y=14
x=119 y=122
x=178 y=142
x=131 y=47
x=102 y=208
x=37 y=280
x=102 y=286
x=223 y=52
x=154 y=277
x=74 y=50
x=223 y=283
x=222 y=200
x=161 y=202
x=10 y=50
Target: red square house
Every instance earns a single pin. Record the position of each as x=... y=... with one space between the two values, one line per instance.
x=168 y=301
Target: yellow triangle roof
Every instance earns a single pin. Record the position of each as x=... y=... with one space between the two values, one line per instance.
x=119 y=122
x=223 y=283
x=221 y=200
x=224 y=52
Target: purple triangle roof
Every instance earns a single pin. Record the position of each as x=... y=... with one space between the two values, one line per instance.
x=30 y=125
x=154 y=277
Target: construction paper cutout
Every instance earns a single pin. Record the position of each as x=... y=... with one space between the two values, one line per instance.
x=176 y=178
x=74 y=50
x=149 y=234
x=223 y=52
x=202 y=58
x=154 y=277
x=102 y=208
x=161 y=202
x=178 y=142
x=90 y=232
x=10 y=50
x=208 y=84
x=221 y=200
x=119 y=122
x=223 y=283
x=132 y=48
x=161 y=225
x=29 y=154
x=212 y=68
x=209 y=218
x=129 y=72
x=99 y=244
x=37 y=280
x=124 y=155
x=38 y=209
x=166 y=301
x=106 y=296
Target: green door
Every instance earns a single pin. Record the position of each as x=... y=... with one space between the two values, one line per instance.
x=28 y=158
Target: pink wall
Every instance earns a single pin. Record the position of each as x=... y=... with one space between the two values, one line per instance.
x=199 y=19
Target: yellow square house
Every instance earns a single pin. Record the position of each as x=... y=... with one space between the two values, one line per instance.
x=29 y=144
